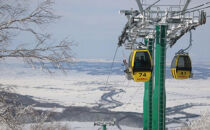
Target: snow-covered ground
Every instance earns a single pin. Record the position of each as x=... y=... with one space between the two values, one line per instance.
x=79 y=126
x=85 y=86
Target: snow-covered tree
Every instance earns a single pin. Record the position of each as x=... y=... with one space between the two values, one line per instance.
x=22 y=35
x=28 y=19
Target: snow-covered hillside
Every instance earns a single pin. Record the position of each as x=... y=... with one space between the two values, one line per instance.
x=84 y=86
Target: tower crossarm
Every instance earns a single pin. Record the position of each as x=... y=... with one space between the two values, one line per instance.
x=142 y=25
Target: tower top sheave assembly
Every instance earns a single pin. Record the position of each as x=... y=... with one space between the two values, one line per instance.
x=141 y=23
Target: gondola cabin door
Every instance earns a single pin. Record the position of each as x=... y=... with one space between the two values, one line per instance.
x=140 y=64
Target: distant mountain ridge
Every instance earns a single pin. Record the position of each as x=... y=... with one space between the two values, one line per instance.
x=95 y=67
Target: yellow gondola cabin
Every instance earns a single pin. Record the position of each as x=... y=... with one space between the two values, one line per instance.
x=181 y=66
x=140 y=65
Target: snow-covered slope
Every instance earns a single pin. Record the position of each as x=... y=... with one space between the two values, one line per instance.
x=85 y=86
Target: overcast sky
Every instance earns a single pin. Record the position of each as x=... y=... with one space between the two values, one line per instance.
x=95 y=26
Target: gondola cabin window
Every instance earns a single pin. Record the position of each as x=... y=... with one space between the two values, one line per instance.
x=173 y=64
x=142 y=62
x=184 y=63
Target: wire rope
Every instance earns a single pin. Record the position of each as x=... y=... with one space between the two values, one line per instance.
x=123 y=53
x=193 y=9
x=198 y=9
x=198 y=6
x=184 y=50
x=107 y=80
x=180 y=3
x=125 y=86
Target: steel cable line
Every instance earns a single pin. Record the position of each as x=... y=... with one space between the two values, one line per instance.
x=125 y=86
x=198 y=6
x=193 y=9
x=180 y=4
x=189 y=46
x=111 y=66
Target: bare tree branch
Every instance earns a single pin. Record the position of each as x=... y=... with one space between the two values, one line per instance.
x=16 y=18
